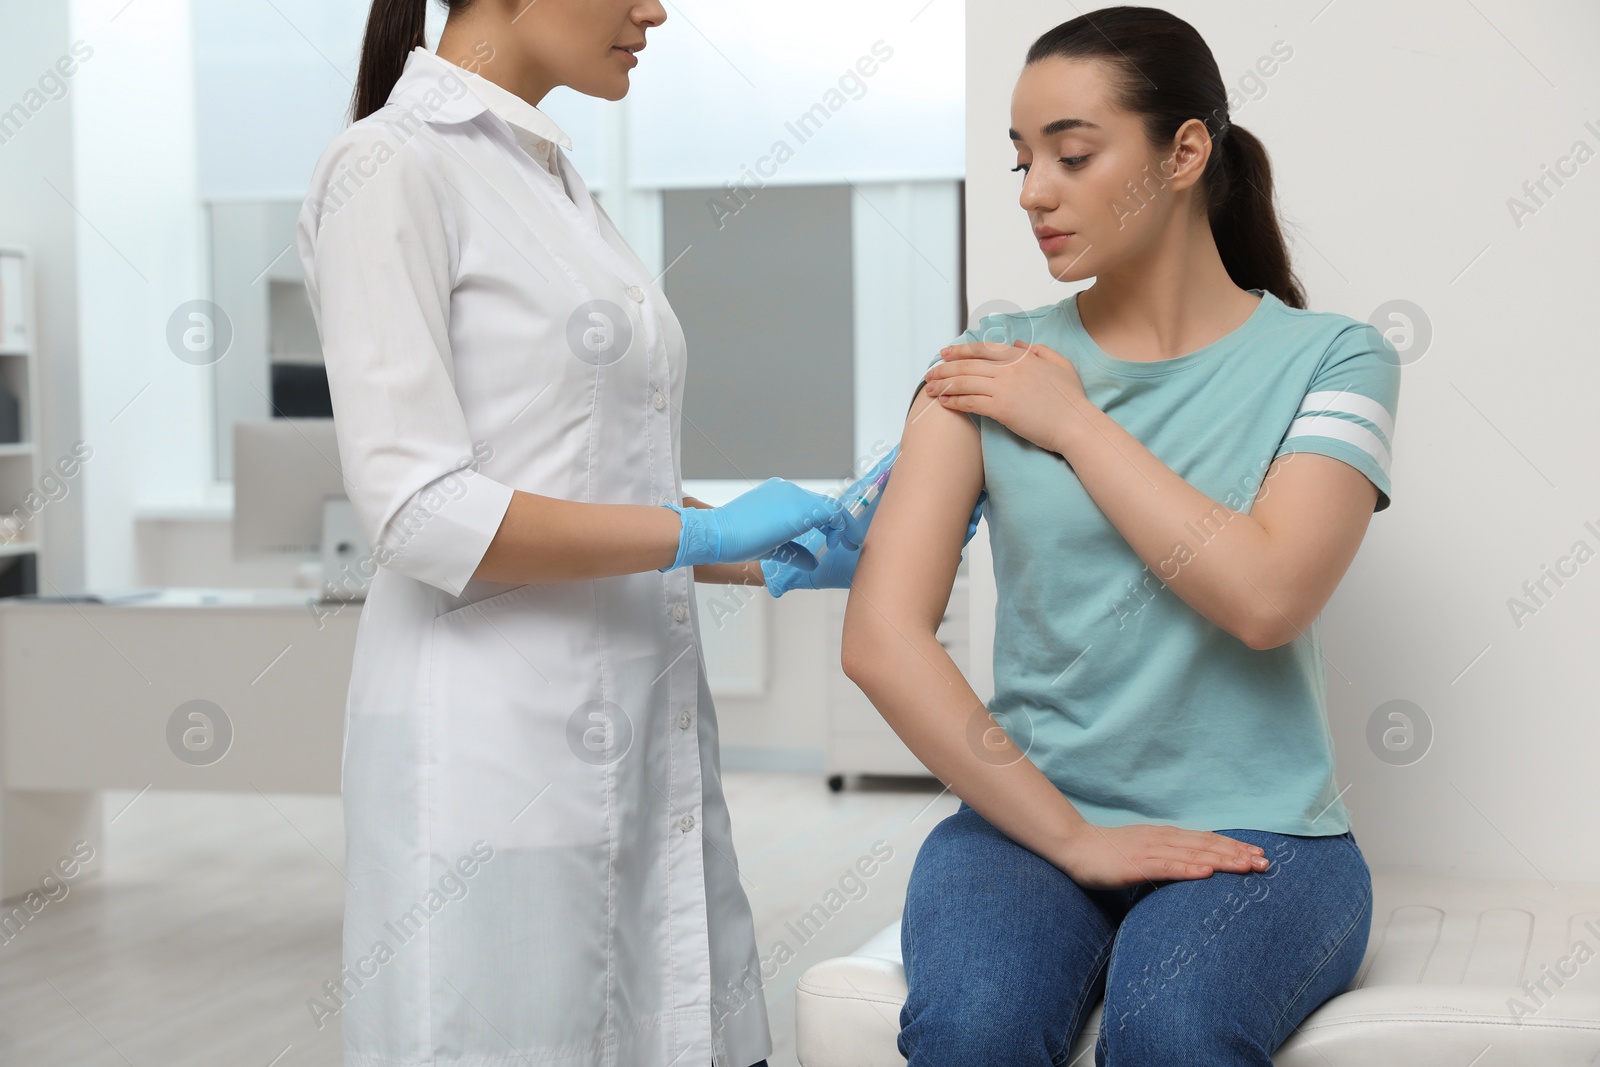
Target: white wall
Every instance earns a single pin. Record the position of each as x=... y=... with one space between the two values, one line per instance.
x=1399 y=133
x=146 y=413
x=874 y=78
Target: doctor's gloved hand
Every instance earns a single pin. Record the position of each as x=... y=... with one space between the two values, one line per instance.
x=827 y=556
x=854 y=530
x=837 y=567
x=754 y=524
x=860 y=502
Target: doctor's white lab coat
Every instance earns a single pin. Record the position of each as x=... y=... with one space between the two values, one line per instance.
x=539 y=858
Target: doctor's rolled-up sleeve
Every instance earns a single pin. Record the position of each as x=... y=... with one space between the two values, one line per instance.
x=376 y=241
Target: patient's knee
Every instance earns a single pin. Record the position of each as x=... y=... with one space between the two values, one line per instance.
x=1174 y=1034
x=973 y=1031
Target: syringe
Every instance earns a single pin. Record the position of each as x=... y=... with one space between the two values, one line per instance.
x=859 y=505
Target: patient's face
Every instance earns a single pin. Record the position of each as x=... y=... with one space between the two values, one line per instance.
x=1081 y=153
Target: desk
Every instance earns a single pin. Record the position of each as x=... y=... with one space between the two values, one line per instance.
x=88 y=694
x=233 y=690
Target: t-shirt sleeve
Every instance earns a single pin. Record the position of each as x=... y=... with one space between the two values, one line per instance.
x=1349 y=409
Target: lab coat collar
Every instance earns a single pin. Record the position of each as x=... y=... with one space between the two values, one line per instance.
x=437 y=91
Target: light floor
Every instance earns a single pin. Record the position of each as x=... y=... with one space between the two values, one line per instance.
x=216 y=916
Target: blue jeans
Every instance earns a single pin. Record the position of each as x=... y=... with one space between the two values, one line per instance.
x=1006 y=956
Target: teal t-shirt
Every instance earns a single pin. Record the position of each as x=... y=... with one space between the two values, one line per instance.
x=1138 y=708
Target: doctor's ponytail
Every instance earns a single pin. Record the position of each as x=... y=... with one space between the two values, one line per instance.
x=1183 y=83
x=394 y=28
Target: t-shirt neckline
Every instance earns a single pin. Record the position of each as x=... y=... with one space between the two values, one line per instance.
x=1153 y=368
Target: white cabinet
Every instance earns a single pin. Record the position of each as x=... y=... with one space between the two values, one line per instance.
x=859 y=740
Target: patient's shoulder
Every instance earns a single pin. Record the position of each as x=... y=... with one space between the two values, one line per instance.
x=998 y=322
x=1002 y=322
x=927 y=418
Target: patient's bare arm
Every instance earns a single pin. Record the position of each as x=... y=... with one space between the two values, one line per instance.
x=901 y=588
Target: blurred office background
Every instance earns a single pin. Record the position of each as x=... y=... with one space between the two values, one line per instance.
x=796 y=180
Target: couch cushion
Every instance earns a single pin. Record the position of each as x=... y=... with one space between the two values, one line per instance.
x=1451 y=975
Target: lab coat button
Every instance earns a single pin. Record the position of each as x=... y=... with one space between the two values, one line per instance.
x=636 y=294
x=684 y=719
x=659 y=400
x=687 y=823
x=680 y=612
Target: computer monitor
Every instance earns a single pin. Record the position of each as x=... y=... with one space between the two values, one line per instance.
x=289 y=497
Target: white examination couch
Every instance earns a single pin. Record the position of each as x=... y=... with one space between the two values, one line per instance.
x=1444 y=968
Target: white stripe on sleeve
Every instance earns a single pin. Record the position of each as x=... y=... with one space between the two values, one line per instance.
x=1341 y=430
x=1351 y=404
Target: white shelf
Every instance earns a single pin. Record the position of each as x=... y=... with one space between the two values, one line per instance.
x=17 y=481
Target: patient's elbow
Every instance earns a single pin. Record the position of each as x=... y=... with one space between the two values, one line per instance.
x=1259 y=642
x=860 y=646
x=1267 y=632
x=853 y=657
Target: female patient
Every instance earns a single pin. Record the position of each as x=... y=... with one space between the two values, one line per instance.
x=1151 y=813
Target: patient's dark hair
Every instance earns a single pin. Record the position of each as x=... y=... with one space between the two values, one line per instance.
x=1163 y=71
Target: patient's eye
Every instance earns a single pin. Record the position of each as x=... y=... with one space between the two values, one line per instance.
x=1072 y=162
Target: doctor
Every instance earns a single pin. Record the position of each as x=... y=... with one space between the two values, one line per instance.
x=539 y=859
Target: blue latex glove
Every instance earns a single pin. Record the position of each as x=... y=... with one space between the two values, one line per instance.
x=803 y=551
x=755 y=524
x=837 y=567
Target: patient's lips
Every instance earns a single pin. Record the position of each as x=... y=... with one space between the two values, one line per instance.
x=1051 y=239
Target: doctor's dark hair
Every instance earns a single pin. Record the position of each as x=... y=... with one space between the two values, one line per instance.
x=1164 y=72
x=394 y=28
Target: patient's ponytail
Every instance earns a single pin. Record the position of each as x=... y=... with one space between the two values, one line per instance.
x=394 y=28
